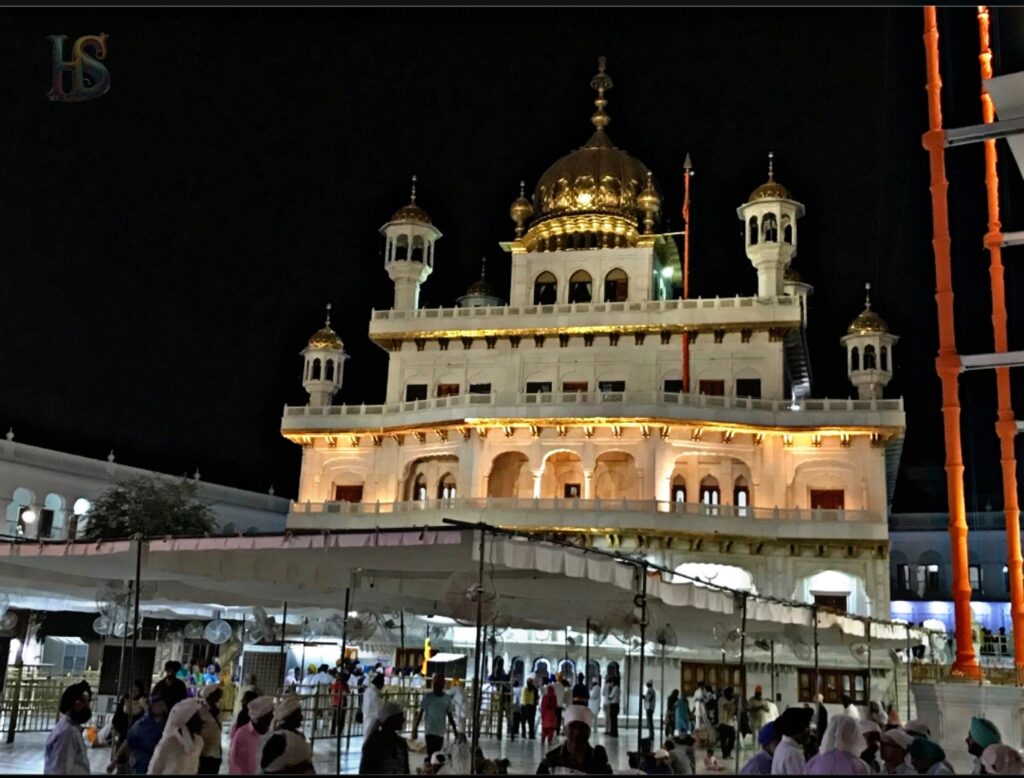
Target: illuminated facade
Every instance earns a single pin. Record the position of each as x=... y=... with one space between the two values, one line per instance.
x=565 y=409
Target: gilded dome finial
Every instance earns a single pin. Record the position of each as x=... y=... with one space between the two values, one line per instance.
x=649 y=202
x=412 y=197
x=867 y=295
x=601 y=83
x=521 y=210
x=483 y=267
x=771 y=166
x=328 y=322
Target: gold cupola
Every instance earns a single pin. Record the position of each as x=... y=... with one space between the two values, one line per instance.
x=593 y=197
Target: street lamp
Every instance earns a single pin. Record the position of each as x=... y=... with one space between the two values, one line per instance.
x=29 y=516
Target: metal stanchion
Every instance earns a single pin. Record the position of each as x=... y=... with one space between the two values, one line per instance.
x=338 y=720
x=743 y=678
x=641 y=603
x=478 y=686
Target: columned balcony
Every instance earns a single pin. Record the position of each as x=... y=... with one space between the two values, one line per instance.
x=604 y=516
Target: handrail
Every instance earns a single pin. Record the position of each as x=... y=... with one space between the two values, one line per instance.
x=559 y=505
x=504 y=399
x=641 y=306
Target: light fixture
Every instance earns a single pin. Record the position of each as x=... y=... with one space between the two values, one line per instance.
x=29 y=516
x=667 y=272
x=82 y=506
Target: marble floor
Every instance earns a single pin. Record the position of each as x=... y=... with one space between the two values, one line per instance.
x=25 y=755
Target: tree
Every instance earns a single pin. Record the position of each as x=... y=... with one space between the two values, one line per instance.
x=150 y=506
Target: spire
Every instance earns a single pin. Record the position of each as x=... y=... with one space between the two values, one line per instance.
x=771 y=166
x=327 y=323
x=412 y=197
x=522 y=188
x=867 y=296
x=483 y=267
x=601 y=83
x=687 y=165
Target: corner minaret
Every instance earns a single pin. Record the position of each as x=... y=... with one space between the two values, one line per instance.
x=869 y=351
x=409 y=251
x=769 y=217
x=324 y=357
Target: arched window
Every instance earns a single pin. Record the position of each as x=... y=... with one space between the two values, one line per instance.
x=419 y=488
x=545 y=289
x=581 y=287
x=869 y=357
x=854 y=359
x=710 y=494
x=770 y=228
x=446 y=487
x=753 y=231
x=402 y=247
x=316 y=370
x=678 y=489
x=741 y=495
x=329 y=373
x=884 y=358
x=417 y=249
x=616 y=286
x=787 y=230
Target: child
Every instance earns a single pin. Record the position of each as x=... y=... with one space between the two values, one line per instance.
x=548 y=716
x=710 y=763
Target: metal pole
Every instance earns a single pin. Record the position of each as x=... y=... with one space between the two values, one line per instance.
x=586 y=668
x=814 y=615
x=662 y=710
x=124 y=648
x=24 y=625
x=478 y=686
x=771 y=645
x=338 y=712
x=867 y=626
x=909 y=675
x=643 y=640
x=401 y=633
x=284 y=629
x=743 y=674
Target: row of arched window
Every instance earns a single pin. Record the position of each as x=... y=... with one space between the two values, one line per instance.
x=581 y=287
x=770 y=229
x=401 y=250
x=869 y=358
x=313 y=370
x=711 y=492
x=445 y=488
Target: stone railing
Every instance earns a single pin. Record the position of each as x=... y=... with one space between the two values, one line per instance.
x=562 y=506
x=638 y=306
x=668 y=400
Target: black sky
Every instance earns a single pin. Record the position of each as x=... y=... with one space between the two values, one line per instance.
x=167 y=249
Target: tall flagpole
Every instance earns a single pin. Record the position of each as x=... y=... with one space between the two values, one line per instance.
x=688 y=172
x=947 y=363
x=1006 y=428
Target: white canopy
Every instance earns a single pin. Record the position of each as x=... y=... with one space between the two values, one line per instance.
x=539 y=585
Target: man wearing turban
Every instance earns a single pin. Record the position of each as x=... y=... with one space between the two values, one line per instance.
x=576 y=754
x=243 y=759
x=761 y=763
x=928 y=757
x=981 y=734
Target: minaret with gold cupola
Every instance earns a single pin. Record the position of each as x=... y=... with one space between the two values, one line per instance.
x=769 y=217
x=324 y=359
x=409 y=251
x=869 y=351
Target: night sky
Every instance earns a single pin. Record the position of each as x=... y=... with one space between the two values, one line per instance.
x=167 y=249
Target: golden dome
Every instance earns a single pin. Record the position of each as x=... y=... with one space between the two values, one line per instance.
x=325 y=337
x=868 y=322
x=770 y=189
x=597 y=187
x=411 y=212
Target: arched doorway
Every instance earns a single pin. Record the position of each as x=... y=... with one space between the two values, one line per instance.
x=562 y=476
x=616 y=477
x=510 y=476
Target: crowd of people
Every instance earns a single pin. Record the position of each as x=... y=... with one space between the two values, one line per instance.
x=168 y=731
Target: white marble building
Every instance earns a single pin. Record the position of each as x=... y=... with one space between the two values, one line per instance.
x=565 y=408
x=57 y=489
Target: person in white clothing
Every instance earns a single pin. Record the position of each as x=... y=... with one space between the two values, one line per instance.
x=794 y=725
x=849 y=709
x=372 y=701
x=595 y=698
x=181 y=745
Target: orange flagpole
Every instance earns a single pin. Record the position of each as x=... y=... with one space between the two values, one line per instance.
x=947 y=363
x=688 y=168
x=1006 y=429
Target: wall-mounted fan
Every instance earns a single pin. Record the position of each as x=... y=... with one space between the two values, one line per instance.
x=217 y=632
x=258 y=626
x=463 y=593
